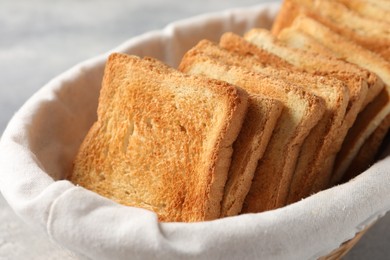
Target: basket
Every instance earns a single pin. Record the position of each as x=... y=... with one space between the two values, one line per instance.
x=40 y=142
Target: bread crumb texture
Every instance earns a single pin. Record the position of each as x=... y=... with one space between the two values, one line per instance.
x=159 y=139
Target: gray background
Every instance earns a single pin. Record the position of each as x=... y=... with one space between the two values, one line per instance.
x=40 y=39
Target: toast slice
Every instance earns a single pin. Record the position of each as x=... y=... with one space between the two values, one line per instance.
x=163 y=140
x=363 y=85
x=363 y=128
x=383 y=4
x=371 y=34
x=356 y=54
x=300 y=114
x=333 y=11
x=295 y=38
x=259 y=124
x=318 y=147
x=299 y=40
x=372 y=10
x=338 y=44
x=356 y=79
x=368 y=120
x=368 y=151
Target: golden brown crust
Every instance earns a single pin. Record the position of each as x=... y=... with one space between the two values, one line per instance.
x=338 y=11
x=362 y=57
x=366 y=123
x=286 y=15
x=358 y=80
x=319 y=145
x=342 y=48
x=377 y=41
x=234 y=43
x=367 y=10
x=371 y=34
x=173 y=143
x=162 y=140
x=342 y=21
x=273 y=174
x=260 y=121
x=368 y=151
x=383 y=4
x=294 y=38
x=372 y=9
x=299 y=40
x=319 y=64
x=366 y=120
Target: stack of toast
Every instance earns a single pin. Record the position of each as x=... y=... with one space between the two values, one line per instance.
x=248 y=124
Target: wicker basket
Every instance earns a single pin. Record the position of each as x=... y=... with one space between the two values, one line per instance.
x=345 y=247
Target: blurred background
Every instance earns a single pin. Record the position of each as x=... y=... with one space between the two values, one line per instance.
x=39 y=39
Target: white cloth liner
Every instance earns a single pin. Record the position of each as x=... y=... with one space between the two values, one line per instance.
x=40 y=142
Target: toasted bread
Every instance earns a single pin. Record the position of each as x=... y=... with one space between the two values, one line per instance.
x=318 y=147
x=335 y=12
x=363 y=127
x=355 y=78
x=356 y=54
x=163 y=140
x=299 y=40
x=368 y=151
x=342 y=47
x=368 y=120
x=369 y=9
x=295 y=38
x=374 y=36
x=363 y=85
x=300 y=114
x=286 y=15
x=260 y=121
x=383 y=4
x=371 y=34
x=235 y=43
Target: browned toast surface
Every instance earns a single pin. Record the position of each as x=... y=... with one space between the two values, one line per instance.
x=163 y=140
x=368 y=151
x=249 y=125
x=318 y=148
x=300 y=114
x=358 y=80
x=259 y=124
x=369 y=33
x=355 y=78
x=366 y=59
